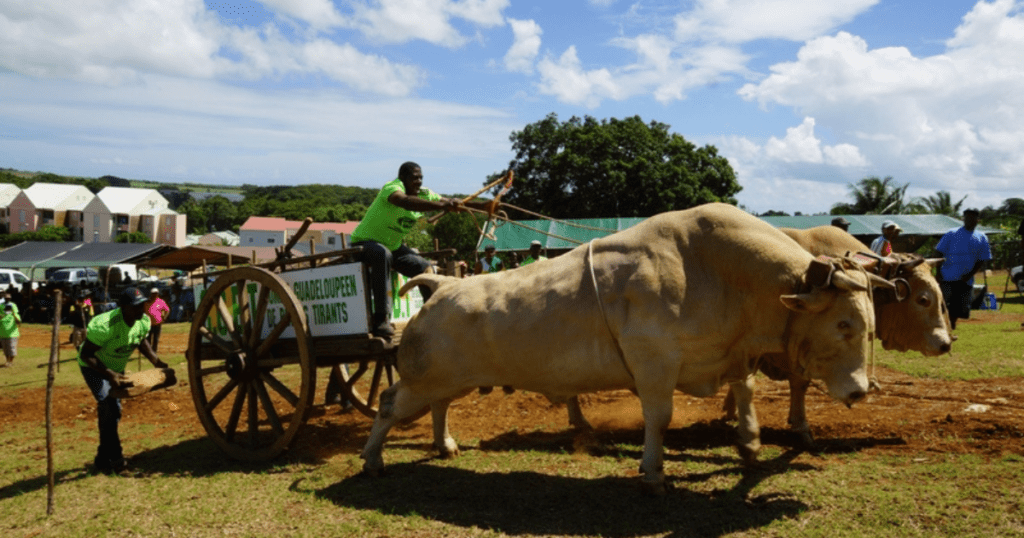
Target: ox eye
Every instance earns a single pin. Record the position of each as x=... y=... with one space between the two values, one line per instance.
x=844 y=325
x=924 y=301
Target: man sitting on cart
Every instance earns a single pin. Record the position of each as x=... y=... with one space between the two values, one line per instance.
x=391 y=216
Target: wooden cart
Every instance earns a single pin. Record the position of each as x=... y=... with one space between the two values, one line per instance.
x=258 y=337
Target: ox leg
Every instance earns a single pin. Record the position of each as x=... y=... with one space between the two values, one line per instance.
x=443 y=441
x=396 y=403
x=798 y=410
x=576 y=418
x=657 y=411
x=729 y=405
x=747 y=427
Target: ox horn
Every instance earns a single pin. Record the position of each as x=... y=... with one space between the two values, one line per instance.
x=934 y=262
x=842 y=281
x=879 y=282
x=912 y=263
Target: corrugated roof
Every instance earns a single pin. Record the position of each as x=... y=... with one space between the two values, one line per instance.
x=43 y=254
x=518 y=235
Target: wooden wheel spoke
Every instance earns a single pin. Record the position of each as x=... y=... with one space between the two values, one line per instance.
x=371 y=396
x=279 y=388
x=221 y=394
x=236 y=413
x=254 y=416
x=221 y=344
x=271 y=339
x=261 y=312
x=229 y=321
x=354 y=377
x=390 y=370
x=219 y=369
x=268 y=407
x=243 y=310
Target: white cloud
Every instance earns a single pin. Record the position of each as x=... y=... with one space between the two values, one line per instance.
x=704 y=48
x=566 y=79
x=741 y=21
x=801 y=145
x=525 y=46
x=319 y=14
x=400 y=21
x=118 y=42
x=936 y=122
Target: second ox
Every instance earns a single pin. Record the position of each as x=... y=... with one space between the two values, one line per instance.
x=685 y=300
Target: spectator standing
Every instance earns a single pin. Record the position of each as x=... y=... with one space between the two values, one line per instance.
x=489 y=263
x=79 y=316
x=964 y=252
x=841 y=223
x=534 y=256
x=111 y=339
x=9 y=333
x=157 y=310
x=882 y=245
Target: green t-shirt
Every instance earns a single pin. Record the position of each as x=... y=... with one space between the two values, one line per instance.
x=116 y=339
x=531 y=259
x=8 y=325
x=387 y=223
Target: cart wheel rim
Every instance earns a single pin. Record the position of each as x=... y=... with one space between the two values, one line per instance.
x=252 y=386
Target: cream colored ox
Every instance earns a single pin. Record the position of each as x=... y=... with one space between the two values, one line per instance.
x=911 y=317
x=685 y=300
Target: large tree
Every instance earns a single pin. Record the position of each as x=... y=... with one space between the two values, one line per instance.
x=941 y=203
x=874 y=196
x=585 y=168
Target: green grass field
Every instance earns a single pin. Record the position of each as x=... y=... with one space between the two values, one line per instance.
x=550 y=490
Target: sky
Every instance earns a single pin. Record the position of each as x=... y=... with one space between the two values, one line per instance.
x=803 y=97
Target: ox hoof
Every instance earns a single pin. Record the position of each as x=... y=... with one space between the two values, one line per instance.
x=372 y=472
x=748 y=455
x=448 y=452
x=806 y=440
x=654 y=489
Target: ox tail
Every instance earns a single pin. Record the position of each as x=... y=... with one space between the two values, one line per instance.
x=426 y=279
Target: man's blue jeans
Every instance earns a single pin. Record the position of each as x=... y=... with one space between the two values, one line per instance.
x=108 y=411
x=381 y=261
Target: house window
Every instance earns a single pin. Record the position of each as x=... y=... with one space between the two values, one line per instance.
x=47 y=214
x=271 y=240
x=330 y=240
x=122 y=220
x=96 y=221
x=23 y=216
x=167 y=220
x=250 y=240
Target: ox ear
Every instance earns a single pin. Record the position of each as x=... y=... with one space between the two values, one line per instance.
x=934 y=262
x=818 y=273
x=843 y=281
x=806 y=303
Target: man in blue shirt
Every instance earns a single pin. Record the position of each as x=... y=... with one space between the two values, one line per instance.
x=965 y=252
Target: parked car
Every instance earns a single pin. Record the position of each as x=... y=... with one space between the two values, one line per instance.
x=13 y=276
x=69 y=277
x=1017 y=275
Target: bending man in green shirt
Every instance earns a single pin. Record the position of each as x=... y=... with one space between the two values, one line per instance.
x=110 y=340
x=389 y=219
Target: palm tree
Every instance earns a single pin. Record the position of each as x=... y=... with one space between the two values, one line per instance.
x=941 y=203
x=874 y=196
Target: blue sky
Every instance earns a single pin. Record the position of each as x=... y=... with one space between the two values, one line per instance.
x=803 y=97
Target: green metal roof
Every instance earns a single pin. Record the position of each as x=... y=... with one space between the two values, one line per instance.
x=569 y=233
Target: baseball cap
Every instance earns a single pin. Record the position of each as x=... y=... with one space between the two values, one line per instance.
x=131 y=297
x=534 y=242
x=489 y=248
x=154 y=290
x=890 y=224
x=840 y=221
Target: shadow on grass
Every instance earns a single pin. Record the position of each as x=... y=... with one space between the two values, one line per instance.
x=532 y=503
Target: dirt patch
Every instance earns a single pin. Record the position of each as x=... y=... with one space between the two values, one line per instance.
x=909 y=415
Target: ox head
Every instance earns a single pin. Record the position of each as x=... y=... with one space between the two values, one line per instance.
x=832 y=325
x=913 y=317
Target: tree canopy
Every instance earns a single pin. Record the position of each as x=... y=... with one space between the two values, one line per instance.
x=585 y=168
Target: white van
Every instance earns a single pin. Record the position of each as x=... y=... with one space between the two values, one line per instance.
x=133 y=272
x=13 y=276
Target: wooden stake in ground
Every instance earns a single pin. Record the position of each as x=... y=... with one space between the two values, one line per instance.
x=54 y=357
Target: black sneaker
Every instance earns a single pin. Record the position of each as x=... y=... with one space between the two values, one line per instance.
x=385 y=330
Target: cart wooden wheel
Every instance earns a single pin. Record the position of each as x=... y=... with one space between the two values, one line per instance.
x=362 y=383
x=252 y=388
